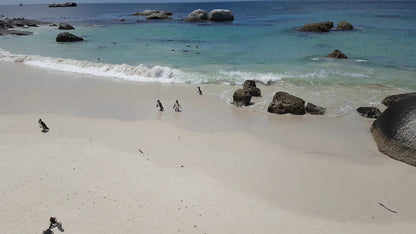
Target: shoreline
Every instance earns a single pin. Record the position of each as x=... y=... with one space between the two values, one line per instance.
x=243 y=170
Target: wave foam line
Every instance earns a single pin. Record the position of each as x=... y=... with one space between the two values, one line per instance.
x=120 y=71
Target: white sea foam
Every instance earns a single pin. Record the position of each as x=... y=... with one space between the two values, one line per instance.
x=166 y=74
x=120 y=71
x=361 y=60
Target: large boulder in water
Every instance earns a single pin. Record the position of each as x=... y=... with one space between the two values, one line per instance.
x=65 y=26
x=395 y=131
x=221 y=15
x=317 y=27
x=285 y=103
x=344 y=25
x=395 y=98
x=197 y=15
x=250 y=86
x=241 y=97
x=369 y=112
x=67 y=37
x=337 y=54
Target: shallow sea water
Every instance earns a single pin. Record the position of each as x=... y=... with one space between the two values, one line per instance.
x=262 y=43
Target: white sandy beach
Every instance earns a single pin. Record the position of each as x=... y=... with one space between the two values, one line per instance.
x=212 y=168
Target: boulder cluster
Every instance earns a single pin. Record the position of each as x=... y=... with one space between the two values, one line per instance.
x=7 y=25
x=66 y=36
x=325 y=26
x=282 y=102
x=242 y=97
x=218 y=15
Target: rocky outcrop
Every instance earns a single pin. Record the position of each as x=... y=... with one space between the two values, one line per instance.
x=369 y=112
x=65 y=26
x=250 y=86
x=395 y=130
x=221 y=15
x=337 y=54
x=154 y=14
x=6 y=24
x=159 y=15
x=285 y=103
x=395 y=98
x=314 y=109
x=67 y=37
x=344 y=25
x=146 y=12
x=19 y=22
x=67 y=4
x=197 y=15
x=317 y=27
x=241 y=97
x=15 y=32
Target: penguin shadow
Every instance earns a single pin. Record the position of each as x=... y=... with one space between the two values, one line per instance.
x=177 y=115
x=159 y=115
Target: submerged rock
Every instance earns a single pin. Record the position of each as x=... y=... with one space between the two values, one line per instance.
x=197 y=15
x=344 y=25
x=15 y=32
x=65 y=26
x=153 y=12
x=314 y=109
x=395 y=130
x=67 y=37
x=158 y=15
x=67 y=4
x=369 y=112
x=241 y=97
x=286 y=103
x=337 y=54
x=395 y=98
x=221 y=15
x=317 y=27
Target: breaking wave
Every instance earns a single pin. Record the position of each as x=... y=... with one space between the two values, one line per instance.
x=165 y=74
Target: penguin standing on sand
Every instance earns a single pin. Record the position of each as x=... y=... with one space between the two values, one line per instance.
x=43 y=126
x=159 y=104
x=177 y=107
x=199 y=91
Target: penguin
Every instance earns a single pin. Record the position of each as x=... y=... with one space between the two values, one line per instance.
x=43 y=126
x=159 y=104
x=177 y=107
x=199 y=91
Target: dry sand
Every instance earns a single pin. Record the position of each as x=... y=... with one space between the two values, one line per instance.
x=113 y=164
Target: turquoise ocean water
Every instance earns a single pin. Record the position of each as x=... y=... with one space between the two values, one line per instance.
x=262 y=43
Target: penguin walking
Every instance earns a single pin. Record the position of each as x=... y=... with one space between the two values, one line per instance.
x=54 y=223
x=159 y=104
x=43 y=126
x=177 y=107
x=199 y=91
